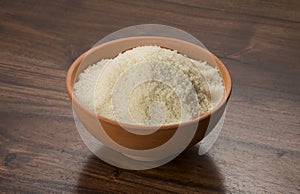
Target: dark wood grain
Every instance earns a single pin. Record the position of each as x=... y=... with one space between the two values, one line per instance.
x=258 y=150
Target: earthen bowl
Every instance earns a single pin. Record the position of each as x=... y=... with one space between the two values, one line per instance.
x=111 y=132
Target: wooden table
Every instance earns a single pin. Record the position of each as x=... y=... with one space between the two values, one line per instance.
x=258 y=150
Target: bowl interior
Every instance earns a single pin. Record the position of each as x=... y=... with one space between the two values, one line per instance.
x=113 y=48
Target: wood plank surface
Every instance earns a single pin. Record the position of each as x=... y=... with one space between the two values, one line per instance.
x=258 y=150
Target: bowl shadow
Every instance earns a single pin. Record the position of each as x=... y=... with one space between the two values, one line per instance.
x=189 y=172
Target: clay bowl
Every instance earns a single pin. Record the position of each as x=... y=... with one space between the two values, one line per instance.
x=116 y=135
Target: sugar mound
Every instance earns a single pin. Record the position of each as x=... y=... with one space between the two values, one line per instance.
x=150 y=85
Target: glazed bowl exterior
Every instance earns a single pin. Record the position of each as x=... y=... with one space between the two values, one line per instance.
x=98 y=125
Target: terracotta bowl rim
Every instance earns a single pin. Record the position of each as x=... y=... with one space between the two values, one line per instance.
x=223 y=70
